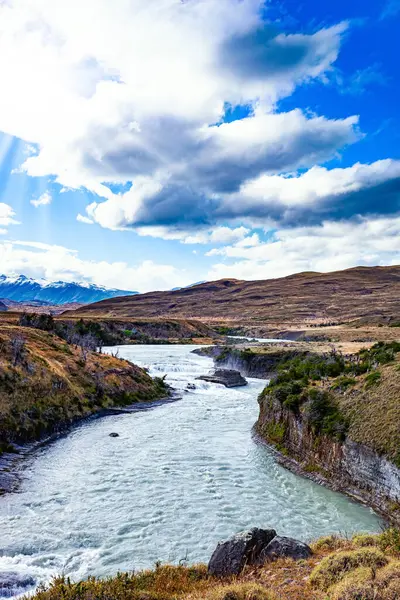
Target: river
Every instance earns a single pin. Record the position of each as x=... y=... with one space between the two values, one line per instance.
x=179 y=477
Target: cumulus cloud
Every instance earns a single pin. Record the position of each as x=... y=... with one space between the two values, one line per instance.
x=42 y=200
x=7 y=215
x=56 y=263
x=327 y=247
x=83 y=219
x=296 y=198
x=318 y=194
x=264 y=55
x=141 y=95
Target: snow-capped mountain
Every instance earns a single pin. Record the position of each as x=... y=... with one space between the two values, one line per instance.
x=25 y=289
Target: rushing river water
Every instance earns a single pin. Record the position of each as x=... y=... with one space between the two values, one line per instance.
x=180 y=477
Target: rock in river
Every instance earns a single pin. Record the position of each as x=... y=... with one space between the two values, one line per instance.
x=114 y=435
x=14 y=582
x=231 y=556
x=228 y=378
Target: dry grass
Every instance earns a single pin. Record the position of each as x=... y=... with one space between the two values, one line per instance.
x=338 y=570
x=356 y=584
x=333 y=568
x=363 y=540
x=374 y=411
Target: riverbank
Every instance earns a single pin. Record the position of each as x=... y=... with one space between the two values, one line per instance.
x=47 y=386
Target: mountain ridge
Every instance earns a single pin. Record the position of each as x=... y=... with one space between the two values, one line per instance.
x=341 y=295
x=20 y=288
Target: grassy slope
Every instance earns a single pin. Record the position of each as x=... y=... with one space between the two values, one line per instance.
x=373 y=410
x=113 y=331
x=51 y=385
x=367 y=401
x=333 y=573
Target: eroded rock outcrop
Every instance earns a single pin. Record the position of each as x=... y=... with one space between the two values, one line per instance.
x=254 y=547
x=285 y=547
x=228 y=378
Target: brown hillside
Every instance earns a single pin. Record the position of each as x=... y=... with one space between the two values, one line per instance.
x=361 y=292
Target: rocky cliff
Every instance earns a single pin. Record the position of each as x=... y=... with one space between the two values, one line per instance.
x=260 y=365
x=339 y=430
x=345 y=466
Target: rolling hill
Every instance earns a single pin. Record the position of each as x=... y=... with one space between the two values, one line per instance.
x=369 y=292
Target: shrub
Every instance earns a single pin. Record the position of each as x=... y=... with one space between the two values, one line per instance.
x=361 y=540
x=389 y=573
x=342 y=383
x=275 y=432
x=329 y=542
x=372 y=379
x=389 y=541
x=356 y=585
x=18 y=350
x=335 y=567
x=239 y=591
x=325 y=416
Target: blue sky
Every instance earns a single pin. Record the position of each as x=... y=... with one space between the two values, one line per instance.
x=148 y=144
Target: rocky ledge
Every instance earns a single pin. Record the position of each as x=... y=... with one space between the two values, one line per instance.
x=254 y=547
x=228 y=378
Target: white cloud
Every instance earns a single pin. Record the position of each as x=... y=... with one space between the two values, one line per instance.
x=7 y=215
x=319 y=183
x=219 y=235
x=83 y=219
x=328 y=247
x=36 y=259
x=136 y=97
x=42 y=200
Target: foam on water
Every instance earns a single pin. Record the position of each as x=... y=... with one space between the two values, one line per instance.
x=180 y=477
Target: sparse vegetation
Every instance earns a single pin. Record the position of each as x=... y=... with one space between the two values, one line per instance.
x=372 y=379
x=109 y=332
x=322 y=388
x=335 y=567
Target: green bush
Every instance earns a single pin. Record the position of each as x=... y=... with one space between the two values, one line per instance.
x=373 y=379
x=325 y=416
x=342 y=383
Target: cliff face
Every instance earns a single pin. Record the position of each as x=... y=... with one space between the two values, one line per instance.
x=247 y=362
x=346 y=466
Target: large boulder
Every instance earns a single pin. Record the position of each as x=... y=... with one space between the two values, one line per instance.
x=231 y=556
x=226 y=377
x=284 y=547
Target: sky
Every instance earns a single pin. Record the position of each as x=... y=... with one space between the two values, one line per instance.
x=151 y=144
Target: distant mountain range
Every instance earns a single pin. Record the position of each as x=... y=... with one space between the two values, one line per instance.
x=40 y=291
